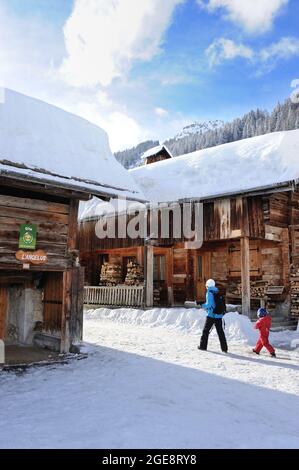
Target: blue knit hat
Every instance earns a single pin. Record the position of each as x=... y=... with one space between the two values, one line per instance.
x=262 y=312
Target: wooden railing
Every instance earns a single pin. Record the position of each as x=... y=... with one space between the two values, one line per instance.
x=118 y=296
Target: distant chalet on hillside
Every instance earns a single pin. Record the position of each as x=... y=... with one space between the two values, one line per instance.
x=156 y=154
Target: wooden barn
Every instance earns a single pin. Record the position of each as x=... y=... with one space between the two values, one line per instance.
x=41 y=280
x=250 y=232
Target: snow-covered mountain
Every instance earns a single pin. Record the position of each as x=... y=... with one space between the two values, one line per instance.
x=202 y=135
x=131 y=158
x=199 y=128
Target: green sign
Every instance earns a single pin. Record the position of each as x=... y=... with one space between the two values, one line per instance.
x=27 y=240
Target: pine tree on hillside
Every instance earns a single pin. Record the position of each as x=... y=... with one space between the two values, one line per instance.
x=284 y=117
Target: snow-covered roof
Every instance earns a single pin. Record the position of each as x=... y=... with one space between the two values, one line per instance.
x=96 y=208
x=226 y=169
x=39 y=141
x=154 y=151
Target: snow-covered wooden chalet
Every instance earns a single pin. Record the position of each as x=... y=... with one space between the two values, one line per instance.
x=49 y=161
x=250 y=195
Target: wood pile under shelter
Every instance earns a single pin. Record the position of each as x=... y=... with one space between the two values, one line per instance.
x=294 y=282
x=111 y=274
x=135 y=275
x=258 y=289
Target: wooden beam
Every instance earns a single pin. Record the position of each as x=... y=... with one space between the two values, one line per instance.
x=3 y=311
x=139 y=255
x=44 y=188
x=66 y=312
x=169 y=276
x=245 y=219
x=76 y=320
x=245 y=273
x=190 y=294
x=73 y=225
x=149 y=275
x=286 y=262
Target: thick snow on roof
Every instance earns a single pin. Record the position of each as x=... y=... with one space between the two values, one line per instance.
x=230 y=168
x=153 y=151
x=96 y=208
x=72 y=151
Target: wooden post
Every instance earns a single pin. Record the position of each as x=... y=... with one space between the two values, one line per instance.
x=149 y=275
x=245 y=272
x=66 y=312
x=67 y=292
x=73 y=225
x=139 y=255
x=245 y=259
x=169 y=276
x=286 y=263
x=77 y=293
x=190 y=295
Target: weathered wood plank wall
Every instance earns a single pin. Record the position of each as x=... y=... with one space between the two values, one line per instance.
x=52 y=225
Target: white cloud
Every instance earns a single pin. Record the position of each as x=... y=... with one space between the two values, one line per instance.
x=284 y=49
x=31 y=47
x=225 y=49
x=103 y=38
x=103 y=99
x=265 y=60
x=123 y=130
x=269 y=57
x=255 y=16
x=161 y=112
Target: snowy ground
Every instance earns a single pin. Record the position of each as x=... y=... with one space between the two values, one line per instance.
x=146 y=385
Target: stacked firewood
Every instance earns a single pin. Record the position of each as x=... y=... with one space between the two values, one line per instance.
x=294 y=282
x=135 y=276
x=111 y=274
x=257 y=289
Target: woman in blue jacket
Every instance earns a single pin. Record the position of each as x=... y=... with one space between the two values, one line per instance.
x=212 y=318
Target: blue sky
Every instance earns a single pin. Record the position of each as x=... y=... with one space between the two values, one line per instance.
x=145 y=69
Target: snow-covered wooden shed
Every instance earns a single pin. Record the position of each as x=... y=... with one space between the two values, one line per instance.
x=49 y=161
x=156 y=154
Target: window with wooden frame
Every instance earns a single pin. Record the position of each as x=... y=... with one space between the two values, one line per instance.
x=234 y=260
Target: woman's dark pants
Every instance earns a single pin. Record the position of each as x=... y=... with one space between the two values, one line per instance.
x=207 y=330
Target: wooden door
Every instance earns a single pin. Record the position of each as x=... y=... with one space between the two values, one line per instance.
x=3 y=311
x=160 y=277
x=202 y=274
x=52 y=300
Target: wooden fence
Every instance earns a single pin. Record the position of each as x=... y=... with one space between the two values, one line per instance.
x=118 y=296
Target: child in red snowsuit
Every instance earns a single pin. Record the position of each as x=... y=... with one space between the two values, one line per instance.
x=263 y=325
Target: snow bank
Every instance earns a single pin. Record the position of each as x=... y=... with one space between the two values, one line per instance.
x=191 y=321
x=42 y=136
x=237 y=166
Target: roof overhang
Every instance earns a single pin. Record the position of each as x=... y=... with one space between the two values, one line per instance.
x=258 y=191
x=77 y=188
